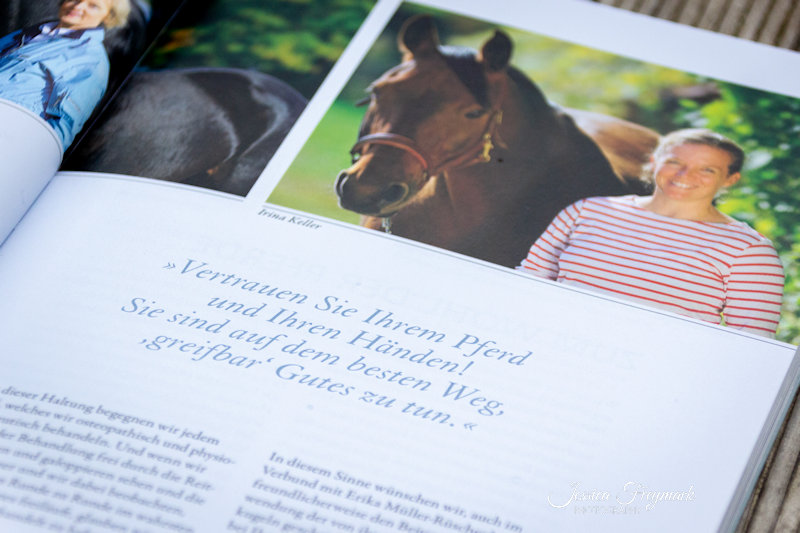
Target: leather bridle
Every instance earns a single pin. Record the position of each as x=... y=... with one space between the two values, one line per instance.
x=477 y=152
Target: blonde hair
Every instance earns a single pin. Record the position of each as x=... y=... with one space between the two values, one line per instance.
x=699 y=136
x=118 y=15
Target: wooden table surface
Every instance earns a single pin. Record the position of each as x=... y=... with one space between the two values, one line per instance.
x=775 y=504
x=775 y=22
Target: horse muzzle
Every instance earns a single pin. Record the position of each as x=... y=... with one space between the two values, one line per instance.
x=373 y=200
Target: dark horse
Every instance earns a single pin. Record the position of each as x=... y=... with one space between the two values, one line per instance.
x=213 y=128
x=210 y=127
x=462 y=151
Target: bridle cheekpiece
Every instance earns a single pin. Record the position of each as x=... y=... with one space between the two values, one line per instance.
x=479 y=151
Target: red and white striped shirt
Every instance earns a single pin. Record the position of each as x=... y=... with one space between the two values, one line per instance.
x=706 y=270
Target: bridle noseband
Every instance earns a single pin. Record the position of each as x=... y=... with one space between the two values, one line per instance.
x=477 y=152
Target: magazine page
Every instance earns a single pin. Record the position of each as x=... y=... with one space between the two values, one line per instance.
x=170 y=376
x=60 y=61
x=623 y=97
x=31 y=153
x=263 y=355
x=216 y=97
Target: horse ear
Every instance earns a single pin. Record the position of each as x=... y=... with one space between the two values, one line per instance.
x=418 y=36
x=496 y=52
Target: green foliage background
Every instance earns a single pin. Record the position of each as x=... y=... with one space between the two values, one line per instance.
x=765 y=124
x=297 y=41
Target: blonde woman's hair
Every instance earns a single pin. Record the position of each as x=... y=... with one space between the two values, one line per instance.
x=118 y=16
x=699 y=136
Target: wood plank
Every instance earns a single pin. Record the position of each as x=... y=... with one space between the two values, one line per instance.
x=711 y=14
x=628 y=4
x=770 y=498
x=650 y=7
x=733 y=17
x=789 y=517
x=791 y=34
x=670 y=9
x=770 y=31
x=775 y=22
x=754 y=20
x=691 y=12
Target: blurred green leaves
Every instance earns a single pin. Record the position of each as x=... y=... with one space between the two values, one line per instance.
x=297 y=41
x=766 y=125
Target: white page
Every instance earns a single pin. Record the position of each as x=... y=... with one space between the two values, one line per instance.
x=30 y=152
x=638 y=408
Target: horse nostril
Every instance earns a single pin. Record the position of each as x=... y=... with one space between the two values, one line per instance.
x=395 y=192
x=341 y=179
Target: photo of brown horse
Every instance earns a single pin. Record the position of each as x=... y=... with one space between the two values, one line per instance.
x=473 y=142
x=462 y=151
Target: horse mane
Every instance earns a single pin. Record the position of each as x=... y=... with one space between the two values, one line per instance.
x=534 y=97
x=464 y=64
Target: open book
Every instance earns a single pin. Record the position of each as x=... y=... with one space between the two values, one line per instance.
x=205 y=328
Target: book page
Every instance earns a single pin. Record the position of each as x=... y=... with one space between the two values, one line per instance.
x=219 y=376
x=183 y=357
x=60 y=64
x=31 y=153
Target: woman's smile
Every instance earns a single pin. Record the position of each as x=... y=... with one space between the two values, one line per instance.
x=83 y=14
x=693 y=172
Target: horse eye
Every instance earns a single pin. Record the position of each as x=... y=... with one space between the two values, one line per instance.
x=475 y=114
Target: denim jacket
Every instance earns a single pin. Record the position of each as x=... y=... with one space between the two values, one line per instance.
x=59 y=75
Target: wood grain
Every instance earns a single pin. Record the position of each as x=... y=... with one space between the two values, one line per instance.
x=773 y=22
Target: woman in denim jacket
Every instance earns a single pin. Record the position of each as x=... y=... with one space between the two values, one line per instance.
x=59 y=70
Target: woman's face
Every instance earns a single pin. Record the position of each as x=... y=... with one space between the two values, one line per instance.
x=693 y=172
x=83 y=14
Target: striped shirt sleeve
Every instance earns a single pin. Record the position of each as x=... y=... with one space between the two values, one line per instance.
x=543 y=256
x=755 y=290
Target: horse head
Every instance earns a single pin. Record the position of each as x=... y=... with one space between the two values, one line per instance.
x=438 y=110
x=461 y=150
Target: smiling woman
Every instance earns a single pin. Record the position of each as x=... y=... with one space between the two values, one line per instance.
x=83 y=14
x=674 y=250
x=688 y=169
x=59 y=70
